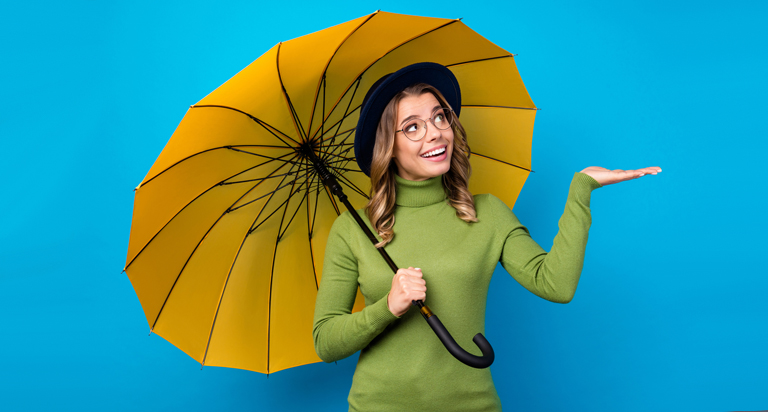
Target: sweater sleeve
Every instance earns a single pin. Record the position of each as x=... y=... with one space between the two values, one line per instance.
x=554 y=275
x=339 y=333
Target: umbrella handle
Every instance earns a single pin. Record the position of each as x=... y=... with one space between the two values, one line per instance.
x=479 y=362
x=465 y=357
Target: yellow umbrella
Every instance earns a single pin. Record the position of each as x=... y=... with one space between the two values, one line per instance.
x=229 y=227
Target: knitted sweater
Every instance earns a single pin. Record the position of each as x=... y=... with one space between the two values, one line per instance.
x=403 y=366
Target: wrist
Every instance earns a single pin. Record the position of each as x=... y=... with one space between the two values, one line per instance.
x=391 y=310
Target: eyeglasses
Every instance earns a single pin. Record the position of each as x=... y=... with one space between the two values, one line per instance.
x=416 y=129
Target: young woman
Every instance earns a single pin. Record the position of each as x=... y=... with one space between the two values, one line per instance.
x=410 y=142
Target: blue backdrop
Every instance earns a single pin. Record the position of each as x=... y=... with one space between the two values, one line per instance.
x=670 y=313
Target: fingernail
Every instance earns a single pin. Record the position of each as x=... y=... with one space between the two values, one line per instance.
x=642 y=174
x=418 y=268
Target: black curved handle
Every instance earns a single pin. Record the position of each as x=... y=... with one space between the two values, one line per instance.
x=479 y=362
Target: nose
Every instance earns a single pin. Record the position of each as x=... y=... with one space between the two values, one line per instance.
x=433 y=133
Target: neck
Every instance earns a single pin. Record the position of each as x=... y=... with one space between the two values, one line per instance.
x=417 y=194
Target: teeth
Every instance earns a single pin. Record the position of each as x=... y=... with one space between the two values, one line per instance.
x=434 y=152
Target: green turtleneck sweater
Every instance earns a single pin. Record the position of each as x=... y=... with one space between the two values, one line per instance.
x=403 y=366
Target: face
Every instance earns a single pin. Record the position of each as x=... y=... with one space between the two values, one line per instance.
x=429 y=157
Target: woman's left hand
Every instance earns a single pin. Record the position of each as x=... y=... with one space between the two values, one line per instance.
x=608 y=177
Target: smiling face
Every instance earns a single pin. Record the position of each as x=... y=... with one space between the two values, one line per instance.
x=429 y=157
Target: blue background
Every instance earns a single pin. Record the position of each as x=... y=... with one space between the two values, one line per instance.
x=671 y=309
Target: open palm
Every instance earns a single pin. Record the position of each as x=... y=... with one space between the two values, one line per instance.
x=608 y=177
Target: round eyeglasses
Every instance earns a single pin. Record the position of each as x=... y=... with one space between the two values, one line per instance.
x=415 y=129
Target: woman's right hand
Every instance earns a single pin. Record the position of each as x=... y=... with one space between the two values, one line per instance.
x=407 y=286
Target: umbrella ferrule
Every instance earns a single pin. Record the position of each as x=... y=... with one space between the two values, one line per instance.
x=425 y=312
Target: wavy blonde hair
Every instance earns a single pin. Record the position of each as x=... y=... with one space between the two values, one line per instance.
x=381 y=207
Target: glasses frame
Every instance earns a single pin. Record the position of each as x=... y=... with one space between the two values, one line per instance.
x=423 y=127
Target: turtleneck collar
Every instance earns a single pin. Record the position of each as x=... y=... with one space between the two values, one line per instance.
x=418 y=194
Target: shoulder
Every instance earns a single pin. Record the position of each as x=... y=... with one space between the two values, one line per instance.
x=491 y=209
x=487 y=203
x=346 y=225
x=346 y=220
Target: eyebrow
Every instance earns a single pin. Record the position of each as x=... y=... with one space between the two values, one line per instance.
x=413 y=116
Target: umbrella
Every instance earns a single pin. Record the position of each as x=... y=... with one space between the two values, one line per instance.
x=229 y=226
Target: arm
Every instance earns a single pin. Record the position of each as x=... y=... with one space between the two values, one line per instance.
x=339 y=333
x=554 y=275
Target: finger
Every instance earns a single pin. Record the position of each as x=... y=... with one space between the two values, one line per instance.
x=651 y=170
x=414 y=294
x=413 y=272
x=406 y=272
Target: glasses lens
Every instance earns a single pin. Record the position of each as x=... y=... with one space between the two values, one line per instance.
x=442 y=118
x=415 y=129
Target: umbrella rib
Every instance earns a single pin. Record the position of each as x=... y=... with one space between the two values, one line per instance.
x=333 y=202
x=197 y=246
x=501 y=161
x=261 y=123
x=348 y=170
x=271 y=194
x=310 y=228
x=335 y=155
x=253 y=229
x=345 y=151
x=260 y=178
x=323 y=85
x=267 y=194
x=224 y=182
x=481 y=106
x=221 y=297
x=344 y=143
x=352 y=186
x=180 y=161
x=336 y=124
x=294 y=213
x=325 y=72
x=383 y=55
x=264 y=156
x=336 y=144
x=271 y=279
x=346 y=111
x=323 y=139
x=265 y=146
x=204 y=151
x=223 y=291
x=191 y=201
x=317 y=202
x=480 y=60
x=294 y=116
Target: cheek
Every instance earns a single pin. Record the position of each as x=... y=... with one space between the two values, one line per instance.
x=403 y=151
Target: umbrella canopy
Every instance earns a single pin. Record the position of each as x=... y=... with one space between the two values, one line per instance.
x=229 y=227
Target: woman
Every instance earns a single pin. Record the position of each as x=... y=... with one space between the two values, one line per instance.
x=410 y=142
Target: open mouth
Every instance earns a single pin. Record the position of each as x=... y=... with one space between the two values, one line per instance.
x=433 y=153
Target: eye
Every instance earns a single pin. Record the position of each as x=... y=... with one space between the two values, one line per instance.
x=411 y=127
x=440 y=117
